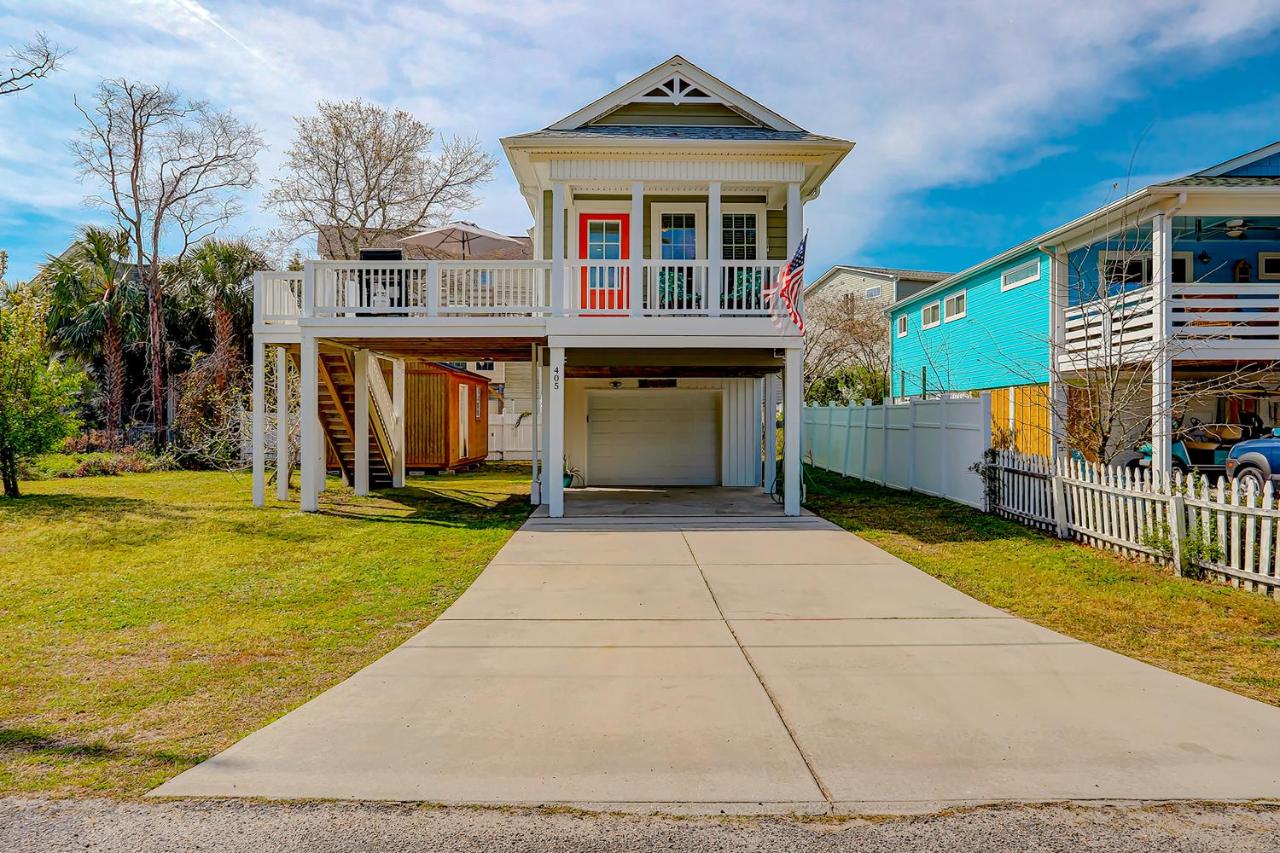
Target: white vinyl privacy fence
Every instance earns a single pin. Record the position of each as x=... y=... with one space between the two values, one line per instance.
x=927 y=446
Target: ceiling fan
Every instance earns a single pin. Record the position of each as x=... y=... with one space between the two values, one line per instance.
x=1238 y=229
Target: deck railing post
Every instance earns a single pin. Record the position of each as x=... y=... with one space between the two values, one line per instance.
x=433 y=288
x=308 y=289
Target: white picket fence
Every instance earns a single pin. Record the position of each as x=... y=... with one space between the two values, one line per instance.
x=1188 y=521
x=926 y=446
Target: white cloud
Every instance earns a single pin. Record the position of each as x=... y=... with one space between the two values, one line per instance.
x=935 y=94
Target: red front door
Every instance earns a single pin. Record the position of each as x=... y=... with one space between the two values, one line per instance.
x=604 y=245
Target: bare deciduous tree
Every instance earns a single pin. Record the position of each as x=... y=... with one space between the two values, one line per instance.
x=31 y=62
x=846 y=352
x=170 y=172
x=355 y=169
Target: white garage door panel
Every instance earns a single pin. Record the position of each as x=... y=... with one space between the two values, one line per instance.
x=653 y=438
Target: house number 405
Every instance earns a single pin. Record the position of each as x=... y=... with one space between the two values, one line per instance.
x=555 y=378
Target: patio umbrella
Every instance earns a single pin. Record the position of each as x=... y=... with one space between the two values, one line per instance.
x=470 y=238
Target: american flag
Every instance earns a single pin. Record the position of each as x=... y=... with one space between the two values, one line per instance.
x=784 y=295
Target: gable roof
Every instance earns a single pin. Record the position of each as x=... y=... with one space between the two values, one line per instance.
x=682 y=82
x=1235 y=163
x=887 y=273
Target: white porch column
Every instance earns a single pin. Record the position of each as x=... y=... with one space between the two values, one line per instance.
x=793 y=423
x=795 y=230
x=361 y=438
x=770 y=432
x=309 y=420
x=555 y=429
x=715 y=250
x=558 y=285
x=1057 y=341
x=535 y=437
x=259 y=423
x=397 y=403
x=1161 y=357
x=283 y=462
x=544 y=383
x=636 y=294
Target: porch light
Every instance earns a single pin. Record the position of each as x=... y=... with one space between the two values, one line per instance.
x=1204 y=257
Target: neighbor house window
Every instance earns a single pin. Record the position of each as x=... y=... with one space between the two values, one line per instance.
x=484 y=365
x=1020 y=275
x=1269 y=265
x=956 y=306
x=930 y=315
x=902 y=326
x=1124 y=268
x=738 y=238
x=874 y=292
x=1183 y=271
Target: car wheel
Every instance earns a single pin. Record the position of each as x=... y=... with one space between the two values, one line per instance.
x=1251 y=477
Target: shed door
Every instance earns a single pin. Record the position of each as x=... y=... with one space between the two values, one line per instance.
x=653 y=438
x=464 y=433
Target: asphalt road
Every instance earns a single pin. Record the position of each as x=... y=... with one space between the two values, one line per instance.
x=102 y=825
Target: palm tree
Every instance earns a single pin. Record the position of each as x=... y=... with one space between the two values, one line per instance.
x=219 y=279
x=94 y=308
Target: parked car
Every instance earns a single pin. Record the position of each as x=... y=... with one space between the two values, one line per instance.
x=1198 y=447
x=1256 y=461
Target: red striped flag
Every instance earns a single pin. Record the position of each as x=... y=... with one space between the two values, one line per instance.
x=784 y=295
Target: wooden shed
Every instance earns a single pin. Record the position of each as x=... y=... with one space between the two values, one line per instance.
x=446 y=417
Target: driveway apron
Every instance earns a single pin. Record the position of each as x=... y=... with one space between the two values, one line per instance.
x=709 y=662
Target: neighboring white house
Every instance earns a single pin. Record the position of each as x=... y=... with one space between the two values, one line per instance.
x=661 y=213
x=876 y=288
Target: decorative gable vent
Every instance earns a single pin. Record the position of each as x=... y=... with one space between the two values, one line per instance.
x=676 y=90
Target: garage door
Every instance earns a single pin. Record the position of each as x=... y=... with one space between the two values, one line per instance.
x=653 y=438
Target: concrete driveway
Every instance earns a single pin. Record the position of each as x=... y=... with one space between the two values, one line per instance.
x=739 y=661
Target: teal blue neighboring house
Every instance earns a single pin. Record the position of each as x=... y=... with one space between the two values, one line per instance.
x=1195 y=265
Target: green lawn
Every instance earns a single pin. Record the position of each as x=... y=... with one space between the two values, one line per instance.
x=1216 y=634
x=148 y=621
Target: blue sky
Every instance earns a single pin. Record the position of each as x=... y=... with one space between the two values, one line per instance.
x=977 y=124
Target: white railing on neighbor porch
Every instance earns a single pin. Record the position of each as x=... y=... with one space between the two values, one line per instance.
x=1209 y=319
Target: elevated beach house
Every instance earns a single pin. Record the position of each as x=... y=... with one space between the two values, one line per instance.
x=1171 y=287
x=661 y=212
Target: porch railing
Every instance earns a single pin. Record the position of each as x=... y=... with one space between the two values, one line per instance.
x=1205 y=317
x=423 y=289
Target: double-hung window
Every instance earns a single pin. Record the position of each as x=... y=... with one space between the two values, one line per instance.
x=738 y=236
x=956 y=306
x=902 y=325
x=930 y=315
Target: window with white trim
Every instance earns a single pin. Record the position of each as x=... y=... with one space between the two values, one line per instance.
x=931 y=315
x=1020 y=275
x=874 y=291
x=956 y=306
x=1183 y=268
x=1124 y=267
x=902 y=325
x=738 y=236
x=1269 y=266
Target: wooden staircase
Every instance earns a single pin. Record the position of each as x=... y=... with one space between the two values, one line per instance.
x=337 y=418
